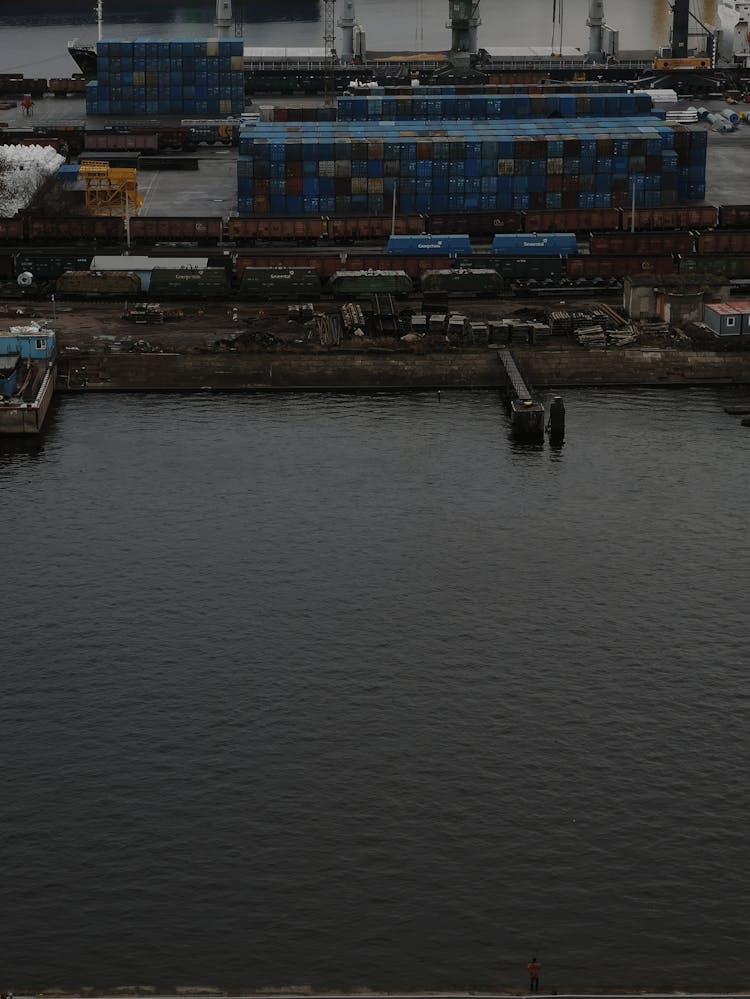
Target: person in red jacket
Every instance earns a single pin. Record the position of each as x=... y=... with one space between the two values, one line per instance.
x=534 y=967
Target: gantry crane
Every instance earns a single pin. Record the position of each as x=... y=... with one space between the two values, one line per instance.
x=110 y=190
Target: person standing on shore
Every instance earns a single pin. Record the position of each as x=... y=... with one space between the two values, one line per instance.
x=534 y=967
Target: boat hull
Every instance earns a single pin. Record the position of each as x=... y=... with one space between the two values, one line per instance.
x=27 y=418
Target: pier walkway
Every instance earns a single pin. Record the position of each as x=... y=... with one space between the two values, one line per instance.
x=526 y=412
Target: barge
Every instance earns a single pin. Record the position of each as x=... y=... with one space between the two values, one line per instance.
x=28 y=368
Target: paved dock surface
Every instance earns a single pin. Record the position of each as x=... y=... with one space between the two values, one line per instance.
x=212 y=189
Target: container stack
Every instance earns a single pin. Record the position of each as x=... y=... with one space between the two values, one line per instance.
x=448 y=107
x=147 y=76
x=468 y=165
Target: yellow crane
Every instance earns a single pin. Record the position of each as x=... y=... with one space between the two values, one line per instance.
x=110 y=190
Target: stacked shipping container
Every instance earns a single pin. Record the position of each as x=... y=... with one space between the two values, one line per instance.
x=469 y=165
x=146 y=76
x=447 y=107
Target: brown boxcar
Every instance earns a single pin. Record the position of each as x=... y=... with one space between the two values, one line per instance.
x=734 y=216
x=732 y=266
x=346 y=228
x=679 y=217
x=11 y=230
x=643 y=243
x=151 y=229
x=84 y=228
x=618 y=266
x=276 y=229
x=572 y=220
x=473 y=223
x=121 y=141
x=735 y=241
x=723 y=242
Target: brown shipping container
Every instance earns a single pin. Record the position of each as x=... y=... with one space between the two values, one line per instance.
x=723 y=242
x=586 y=266
x=679 y=217
x=575 y=220
x=641 y=243
x=734 y=216
x=202 y=230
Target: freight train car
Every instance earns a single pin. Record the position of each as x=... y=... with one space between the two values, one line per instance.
x=685 y=217
x=201 y=283
x=734 y=216
x=156 y=229
x=98 y=284
x=735 y=266
x=538 y=244
x=354 y=284
x=579 y=220
x=275 y=229
x=326 y=264
x=463 y=282
x=588 y=266
x=12 y=230
x=524 y=268
x=49 y=266
x=269 y=283
x=352 y=229
x=722 y=242
x=633 y=244
x=75 y=229
x=458 y=244
x=473 y=223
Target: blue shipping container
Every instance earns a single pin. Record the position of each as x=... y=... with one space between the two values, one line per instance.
x=554 y=243
x=429 y=244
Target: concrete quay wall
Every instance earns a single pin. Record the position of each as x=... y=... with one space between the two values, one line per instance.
x=544 y=368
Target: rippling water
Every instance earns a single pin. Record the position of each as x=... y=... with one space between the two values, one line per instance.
x=352 y=690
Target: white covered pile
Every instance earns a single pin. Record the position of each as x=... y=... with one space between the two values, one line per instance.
x=23 y=169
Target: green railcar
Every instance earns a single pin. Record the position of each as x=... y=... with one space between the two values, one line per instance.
x=199 y=282
x=722 y=265
x=463 y=282
x=286 y=283
x=352 y=284
x=98 y=284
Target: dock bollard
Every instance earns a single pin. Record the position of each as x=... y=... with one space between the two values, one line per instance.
x=556 y=422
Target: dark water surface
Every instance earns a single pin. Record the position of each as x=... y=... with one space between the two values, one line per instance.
x=350 y=690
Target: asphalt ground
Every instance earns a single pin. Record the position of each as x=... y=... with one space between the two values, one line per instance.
x=212 y=189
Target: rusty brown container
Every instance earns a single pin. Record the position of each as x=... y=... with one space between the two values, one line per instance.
x=474 y=223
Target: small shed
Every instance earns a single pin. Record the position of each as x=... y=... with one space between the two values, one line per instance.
x=728 y=318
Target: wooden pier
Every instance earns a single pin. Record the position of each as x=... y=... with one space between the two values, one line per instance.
x=526 y=412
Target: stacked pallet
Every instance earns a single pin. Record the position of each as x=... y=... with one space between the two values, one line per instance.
x=146 y=76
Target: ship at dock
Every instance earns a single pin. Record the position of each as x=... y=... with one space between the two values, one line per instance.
x=700 y=59
x=28 y=366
